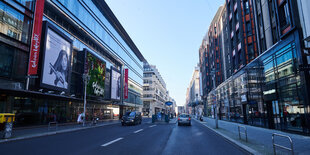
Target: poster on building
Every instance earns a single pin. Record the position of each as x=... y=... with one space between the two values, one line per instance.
x=96 y=69
x=56 y=60
x=115 y=84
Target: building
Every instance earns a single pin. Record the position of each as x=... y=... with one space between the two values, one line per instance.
x=181 y=109
x=77 y=37
x=268 y=54
x=194 y=103
x=155 y=93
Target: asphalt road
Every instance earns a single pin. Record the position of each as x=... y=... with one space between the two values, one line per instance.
x=116 y=139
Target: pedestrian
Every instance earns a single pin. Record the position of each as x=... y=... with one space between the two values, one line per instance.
x=80 y=119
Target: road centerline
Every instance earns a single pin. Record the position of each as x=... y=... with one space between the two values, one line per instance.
x=152 y=126
x=111 y=142
x=138 y=131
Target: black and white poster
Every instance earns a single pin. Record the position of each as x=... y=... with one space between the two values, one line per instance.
x=56 y=61
x=115 y=84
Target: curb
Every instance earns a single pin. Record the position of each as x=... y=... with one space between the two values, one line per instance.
x=236 y=143
x=53 y=133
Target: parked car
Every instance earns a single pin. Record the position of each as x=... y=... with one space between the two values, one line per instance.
x=131 y=118
x=184 y=119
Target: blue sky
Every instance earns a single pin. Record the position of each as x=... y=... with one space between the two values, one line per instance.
x=168 y=33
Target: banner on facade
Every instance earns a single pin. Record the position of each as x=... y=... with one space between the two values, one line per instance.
x=126 y=84
x=36 y=38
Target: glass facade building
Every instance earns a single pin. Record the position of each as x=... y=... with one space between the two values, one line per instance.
x=91 y=27
x=271 y=89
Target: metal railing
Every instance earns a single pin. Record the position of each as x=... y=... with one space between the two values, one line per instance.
x=50 y=125
x=280 y=146
x=244 y=132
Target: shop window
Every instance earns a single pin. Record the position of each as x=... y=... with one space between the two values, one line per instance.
x=284 y=15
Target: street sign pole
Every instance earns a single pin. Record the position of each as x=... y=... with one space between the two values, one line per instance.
x=216 y=119
x=85 y=78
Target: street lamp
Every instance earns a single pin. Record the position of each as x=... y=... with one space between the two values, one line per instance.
x=85 y=79
x=215 y=109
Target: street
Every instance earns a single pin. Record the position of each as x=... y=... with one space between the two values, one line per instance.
x=146 y=138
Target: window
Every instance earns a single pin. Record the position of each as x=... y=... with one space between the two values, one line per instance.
x=238 y=36
x=251 y=52
x=236 y=16
x=13 y=63
x=147 y=74
x=27 y=3
x=275 y=36
x=247 y=8
x=284 y=15
x=14 y=24
x=248 y=28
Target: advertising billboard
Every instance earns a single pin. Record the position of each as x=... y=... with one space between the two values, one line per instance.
x=115 y=84
x=56 y=60
x=96 y=69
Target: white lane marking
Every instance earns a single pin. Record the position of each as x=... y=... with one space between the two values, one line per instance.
x=152 y=126
x=138 y=131
x=111 y=142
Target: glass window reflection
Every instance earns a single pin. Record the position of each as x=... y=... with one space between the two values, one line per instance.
x=27 y=3
x=14 y=24
x=100 y=32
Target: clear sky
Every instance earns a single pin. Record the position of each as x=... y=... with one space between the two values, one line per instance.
x=168 y=33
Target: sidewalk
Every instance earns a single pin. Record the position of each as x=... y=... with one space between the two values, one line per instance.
x=26 y=133
x=260 y=139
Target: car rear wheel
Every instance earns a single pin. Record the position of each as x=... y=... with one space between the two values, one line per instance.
x=123 y=124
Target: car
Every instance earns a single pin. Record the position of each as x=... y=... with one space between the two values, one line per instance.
x=131 y=118
x=184 y=119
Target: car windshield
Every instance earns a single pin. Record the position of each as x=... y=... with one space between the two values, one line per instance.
x=132 y=114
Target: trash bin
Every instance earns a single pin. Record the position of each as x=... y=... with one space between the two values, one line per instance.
x=6 y=124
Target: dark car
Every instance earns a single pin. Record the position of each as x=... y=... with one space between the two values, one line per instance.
x=184 y=119
x=132 y=118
